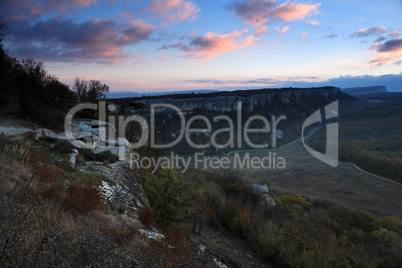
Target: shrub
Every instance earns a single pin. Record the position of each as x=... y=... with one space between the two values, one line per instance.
x=389 y=262
x=295 y=199
x=348 y=262
x=87 y=154
x=267 y=244
x=388 y=238
x=392 y=223
x=83 y=199
x=106 y=157
x=171 y=195
x=357 y=218
x=322 y=203
x=237 y=218
x=45 y=173
x=31 y=136
x=52 y=191
x=146 y=216
x=63 y=147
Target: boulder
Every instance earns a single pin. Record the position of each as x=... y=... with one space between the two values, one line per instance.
x=79 y=144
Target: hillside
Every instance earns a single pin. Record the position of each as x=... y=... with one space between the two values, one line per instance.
x=359 y=91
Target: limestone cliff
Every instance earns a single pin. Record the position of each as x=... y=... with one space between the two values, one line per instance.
x=228 y=102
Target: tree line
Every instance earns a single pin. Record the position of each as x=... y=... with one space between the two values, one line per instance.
x=31 y=92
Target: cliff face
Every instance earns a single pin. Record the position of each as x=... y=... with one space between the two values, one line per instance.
x=229 y=103
x=358 y=91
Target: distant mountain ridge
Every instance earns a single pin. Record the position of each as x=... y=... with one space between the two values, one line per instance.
x=132 y=94
x=358 y=91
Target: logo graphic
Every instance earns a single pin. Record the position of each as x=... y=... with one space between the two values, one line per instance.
x=331 y=152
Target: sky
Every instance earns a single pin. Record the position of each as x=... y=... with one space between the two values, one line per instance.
x=168 y=45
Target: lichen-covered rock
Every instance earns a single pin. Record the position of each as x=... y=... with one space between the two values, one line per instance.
x=124 y=185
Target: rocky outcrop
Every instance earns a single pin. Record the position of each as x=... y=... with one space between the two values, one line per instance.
x=123 y=187
x=95 y=135
x=263 y=190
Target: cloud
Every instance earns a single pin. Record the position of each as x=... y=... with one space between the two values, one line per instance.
x=164 y=57
x=380 y=39
x=260 y=30
x=259 y=12
x=211 y=44
x=15 y=10
x=391 y=46
x=330 y=36
x=65 y=6
x=101 y=41
x=369 y=31
x=304 y=35
x=388 y=53
x=174 y=11
x=175 y=45
x=289 y=11
x=253 y=12
x=206 y=81
x=394 y=33
x=313 y=22
x=282 y=30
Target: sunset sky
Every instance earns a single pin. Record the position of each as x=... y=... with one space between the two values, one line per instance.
x=165 y=45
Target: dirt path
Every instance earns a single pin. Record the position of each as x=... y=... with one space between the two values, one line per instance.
x=13 y=121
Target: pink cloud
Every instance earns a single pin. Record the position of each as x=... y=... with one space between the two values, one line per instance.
x=289 y=11
x=260 y=30
x=174 y=10
x=394 y=33
x=259 y=12
x=313 y=22
x=369 y=31
x=304 y=35
x=388 y=53
x=164 y=57
x=282 y=30
x=212 y=44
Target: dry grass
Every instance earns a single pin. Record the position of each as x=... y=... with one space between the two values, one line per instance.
x=43 y=223
x=48 y=220
x=46 y=173
x=35 y=156
x=83 y=199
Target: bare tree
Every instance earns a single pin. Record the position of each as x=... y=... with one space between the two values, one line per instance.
x=97 y=90
x=80 y=88
x=92 y=91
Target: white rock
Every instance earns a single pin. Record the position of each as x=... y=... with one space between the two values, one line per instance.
x=99 y=123
x=71 y=159
x=83 y=135
x=79 y=144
